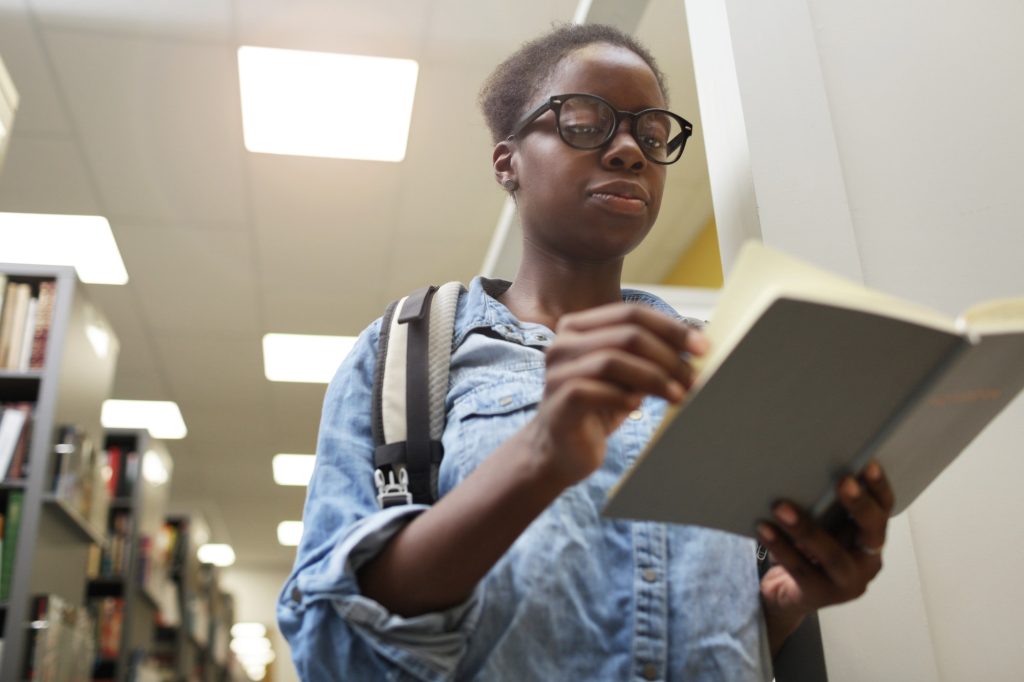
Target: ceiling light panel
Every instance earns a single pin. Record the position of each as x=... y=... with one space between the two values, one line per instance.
x=161 y=418
x=84 y=241
x=293 y=469
x=303 y=357
x=324 y=104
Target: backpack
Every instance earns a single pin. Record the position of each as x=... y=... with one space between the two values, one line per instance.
x=410 y=384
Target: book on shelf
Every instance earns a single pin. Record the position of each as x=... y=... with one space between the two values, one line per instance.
x=808 y=377
x=61 y=642
x=108 y=613
x=26 y=314
x=77 y=474
x=12 y=523
x=43 y=322
x=15 y=427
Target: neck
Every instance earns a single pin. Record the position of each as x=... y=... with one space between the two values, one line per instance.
x=547 y=287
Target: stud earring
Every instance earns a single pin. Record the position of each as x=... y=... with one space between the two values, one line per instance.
x=510 y=185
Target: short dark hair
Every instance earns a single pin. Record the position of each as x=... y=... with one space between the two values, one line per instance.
x=513 y=85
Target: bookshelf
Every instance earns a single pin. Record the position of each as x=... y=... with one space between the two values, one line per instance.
x=196 y=647
x=130 y=578
x=47 y=551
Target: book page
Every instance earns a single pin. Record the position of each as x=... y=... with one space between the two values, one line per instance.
x=762 y=275
x=995 y=317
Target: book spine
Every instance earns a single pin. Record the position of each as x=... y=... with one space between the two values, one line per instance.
x=14 y=500
x=19 y=462
x=44 y=318
x=6 y=322
x=19 y=315
x=27 y=335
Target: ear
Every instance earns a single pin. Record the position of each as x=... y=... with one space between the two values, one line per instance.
x=504 y=167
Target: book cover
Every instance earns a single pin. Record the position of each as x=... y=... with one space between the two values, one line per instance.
x=19 y=462
x=804 y=384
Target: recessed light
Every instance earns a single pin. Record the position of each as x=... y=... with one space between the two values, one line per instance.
x=293 y=469
x=161 y=418
x=326 y=104
x=216 y=554
x=304 y=358
x=289 y=533
x=84 y=241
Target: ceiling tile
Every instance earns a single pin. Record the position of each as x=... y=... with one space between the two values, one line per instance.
x=384 y=28
x=195 y=280
x=40 y=109
x=325 y=230
x=160 y=123
x=194 y=19
x=45 y=175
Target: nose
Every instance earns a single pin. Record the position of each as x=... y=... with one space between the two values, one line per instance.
x=623 y=151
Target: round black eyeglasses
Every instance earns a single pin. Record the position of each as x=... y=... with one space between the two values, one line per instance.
x=588 y=122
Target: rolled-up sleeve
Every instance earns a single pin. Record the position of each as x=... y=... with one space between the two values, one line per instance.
x=334 y=631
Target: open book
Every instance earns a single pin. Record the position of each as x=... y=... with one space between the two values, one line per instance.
x=808 y=377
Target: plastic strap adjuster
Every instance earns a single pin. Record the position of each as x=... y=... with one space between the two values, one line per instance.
x=391 y=493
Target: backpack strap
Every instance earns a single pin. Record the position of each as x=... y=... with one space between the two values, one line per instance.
x=410 y=387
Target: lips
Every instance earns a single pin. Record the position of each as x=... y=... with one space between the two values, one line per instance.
x=629 y=191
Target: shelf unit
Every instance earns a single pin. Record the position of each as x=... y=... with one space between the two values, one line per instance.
x=54 y=537
x=197 y=648
x=140 y=575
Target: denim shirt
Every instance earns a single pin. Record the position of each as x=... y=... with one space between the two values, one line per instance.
x=577 y=596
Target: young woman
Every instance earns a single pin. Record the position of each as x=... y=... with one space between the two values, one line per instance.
x=557 y=382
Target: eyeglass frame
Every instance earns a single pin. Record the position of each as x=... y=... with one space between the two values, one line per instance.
x=554 y=103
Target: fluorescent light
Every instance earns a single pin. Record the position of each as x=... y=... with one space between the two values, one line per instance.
x=153 y=468
x=216 y=554
x=303 y=357
x=322 y=104
x=246 y=630
x=289 y=533
x=293 y=469
x=250 y=645
x=161 y=418
x=84 y=241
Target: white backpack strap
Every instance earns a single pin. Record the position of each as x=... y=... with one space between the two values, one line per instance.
x=410 y=388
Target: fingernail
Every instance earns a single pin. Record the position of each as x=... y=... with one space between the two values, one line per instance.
x=766 y=532
x=850 y=488
x=874 y=472
x=698 y=342
x=786 y=514
x=675 y=391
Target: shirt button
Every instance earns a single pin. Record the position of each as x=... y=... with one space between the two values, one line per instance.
x=650 y=672
x=650 y=575
x=636 y=415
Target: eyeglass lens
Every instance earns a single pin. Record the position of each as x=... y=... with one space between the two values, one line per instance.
x=587 y=122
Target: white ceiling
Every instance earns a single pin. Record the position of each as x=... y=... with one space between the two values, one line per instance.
x=129 y=109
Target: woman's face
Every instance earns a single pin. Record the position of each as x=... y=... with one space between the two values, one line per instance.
x=591 y=205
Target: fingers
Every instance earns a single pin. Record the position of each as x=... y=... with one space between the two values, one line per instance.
x=626 y=371
x=680 y=337
x=868 y=503
x=634 y=348
x=828 y=572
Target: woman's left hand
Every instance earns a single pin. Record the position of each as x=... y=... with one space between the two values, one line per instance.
x=814 y=568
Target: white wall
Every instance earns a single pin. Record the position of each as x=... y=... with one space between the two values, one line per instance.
x=255 y=600
x=882 y=140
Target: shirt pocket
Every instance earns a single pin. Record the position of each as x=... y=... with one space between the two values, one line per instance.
x=482 y=420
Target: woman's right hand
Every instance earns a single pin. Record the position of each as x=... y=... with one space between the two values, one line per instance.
x=602 y=364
